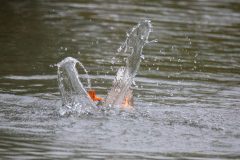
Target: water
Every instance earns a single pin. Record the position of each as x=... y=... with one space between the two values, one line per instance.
x=187 y=88
x=133 y=45
x=73 y=93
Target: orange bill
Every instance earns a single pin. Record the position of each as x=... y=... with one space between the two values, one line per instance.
x=94 y=97
x=128 y=101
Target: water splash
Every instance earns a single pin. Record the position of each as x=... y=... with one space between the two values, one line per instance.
x=133 y=45
x=74 y=95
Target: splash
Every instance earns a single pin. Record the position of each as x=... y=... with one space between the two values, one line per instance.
x=75 y=97
x=136 y=39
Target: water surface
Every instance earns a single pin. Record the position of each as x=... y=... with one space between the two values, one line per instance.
x=187 y=93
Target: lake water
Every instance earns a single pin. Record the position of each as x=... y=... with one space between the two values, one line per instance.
x=187 y=93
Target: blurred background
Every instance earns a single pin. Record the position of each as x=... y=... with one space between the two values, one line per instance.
x=187 y=91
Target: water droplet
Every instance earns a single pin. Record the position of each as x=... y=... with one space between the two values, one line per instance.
x=113 y=60
x=154 y=41
x=134 y=83
x=117 y=90
x=119 y=49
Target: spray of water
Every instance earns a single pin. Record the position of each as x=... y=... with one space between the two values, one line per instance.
x=74 y=95
x=133 y=45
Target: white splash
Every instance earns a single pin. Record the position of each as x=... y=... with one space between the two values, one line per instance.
x=75 y=97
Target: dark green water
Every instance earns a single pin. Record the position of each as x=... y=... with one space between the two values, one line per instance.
x=187 y=96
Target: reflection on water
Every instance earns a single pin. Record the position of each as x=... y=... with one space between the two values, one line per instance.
x=187 y=90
